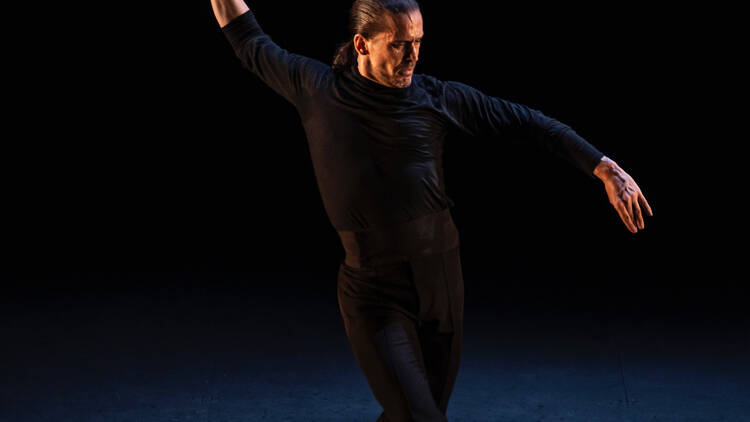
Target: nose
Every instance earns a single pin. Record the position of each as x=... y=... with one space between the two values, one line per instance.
x=412 y=52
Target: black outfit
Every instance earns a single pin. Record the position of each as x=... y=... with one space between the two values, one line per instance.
x=401 y=297
x=377 y=156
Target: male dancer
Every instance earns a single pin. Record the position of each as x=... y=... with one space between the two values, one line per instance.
x=375 y=130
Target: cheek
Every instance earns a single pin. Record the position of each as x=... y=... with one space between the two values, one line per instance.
x=394 y=60
x=380 y=60
x=387 y=62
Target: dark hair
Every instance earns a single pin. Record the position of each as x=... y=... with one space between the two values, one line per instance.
x=366 y=18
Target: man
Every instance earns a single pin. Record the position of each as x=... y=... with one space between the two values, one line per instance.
x=375 y=131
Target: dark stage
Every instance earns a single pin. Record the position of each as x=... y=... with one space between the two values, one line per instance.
x=246 y=347
x=167 y=255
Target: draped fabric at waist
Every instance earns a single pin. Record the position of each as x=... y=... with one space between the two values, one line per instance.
x=429 y=234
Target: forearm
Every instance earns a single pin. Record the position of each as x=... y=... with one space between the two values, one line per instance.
x=568 y=144
x=226 y=10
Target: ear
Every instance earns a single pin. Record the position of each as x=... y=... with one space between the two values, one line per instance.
x=360 y=44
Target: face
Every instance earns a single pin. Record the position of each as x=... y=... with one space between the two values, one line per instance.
x=389 y=57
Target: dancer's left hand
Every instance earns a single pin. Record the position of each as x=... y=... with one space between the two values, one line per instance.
x=624 y=194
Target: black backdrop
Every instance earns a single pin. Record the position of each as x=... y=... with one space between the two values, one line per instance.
x=148 y=150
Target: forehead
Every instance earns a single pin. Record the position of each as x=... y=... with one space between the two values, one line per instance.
x=404 y=26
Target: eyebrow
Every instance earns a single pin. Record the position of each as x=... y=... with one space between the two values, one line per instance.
x=407 y=40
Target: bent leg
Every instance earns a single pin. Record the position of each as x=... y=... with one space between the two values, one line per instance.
x=391 y=359
x=410 y=371
x=383 y=383
x=399 y=344
x=439 y=277
x=441 y=354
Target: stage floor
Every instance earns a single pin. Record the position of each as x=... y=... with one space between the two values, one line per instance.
x=203 y=354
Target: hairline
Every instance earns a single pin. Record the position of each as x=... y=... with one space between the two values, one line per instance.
x=390 y=16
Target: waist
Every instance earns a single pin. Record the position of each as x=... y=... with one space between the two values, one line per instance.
x=429 y=234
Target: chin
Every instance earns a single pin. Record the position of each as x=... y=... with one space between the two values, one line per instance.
x=402 y=82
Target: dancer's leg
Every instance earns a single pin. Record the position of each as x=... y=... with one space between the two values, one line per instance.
x=387 y=346
x=439 y=280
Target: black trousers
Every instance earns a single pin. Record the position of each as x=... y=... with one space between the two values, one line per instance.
x=401 y=296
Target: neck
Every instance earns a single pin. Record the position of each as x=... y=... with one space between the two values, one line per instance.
x=365 y=69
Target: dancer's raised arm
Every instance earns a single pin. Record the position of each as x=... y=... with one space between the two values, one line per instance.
x=226 y=10
x=293 y=76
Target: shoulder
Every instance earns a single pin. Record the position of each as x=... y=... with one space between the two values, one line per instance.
x=429 y=84
x=449 y=93
x=312 y=73
x=316 y=66
x=440 y=87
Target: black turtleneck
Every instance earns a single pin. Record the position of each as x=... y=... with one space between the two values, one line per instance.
x=377 y=150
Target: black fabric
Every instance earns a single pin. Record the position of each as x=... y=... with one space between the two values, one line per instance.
x=431 y=233
x=377 y=154
x=375 y=249
x=404 y=322
x=402 y=306
x=376 y=150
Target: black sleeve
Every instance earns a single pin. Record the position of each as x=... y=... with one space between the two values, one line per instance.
x=479 y=114
x=290 y=75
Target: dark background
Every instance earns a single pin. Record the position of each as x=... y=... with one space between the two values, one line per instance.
x=148 y=158
x=166 y=254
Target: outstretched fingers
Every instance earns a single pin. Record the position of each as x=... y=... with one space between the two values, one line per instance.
x=644 y=203
x=637 y=211
x=622 y=210
x=627 y=199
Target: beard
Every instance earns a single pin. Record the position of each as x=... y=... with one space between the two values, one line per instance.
x=402 y=81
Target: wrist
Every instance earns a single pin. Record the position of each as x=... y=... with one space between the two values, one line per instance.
x=605 y=169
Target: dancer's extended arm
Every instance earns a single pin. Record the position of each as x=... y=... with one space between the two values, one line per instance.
x=479 y=114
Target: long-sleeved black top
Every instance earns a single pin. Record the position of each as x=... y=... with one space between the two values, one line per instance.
x=377 y=150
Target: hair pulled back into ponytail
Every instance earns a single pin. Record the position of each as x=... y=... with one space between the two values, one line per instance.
x=366 y=17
